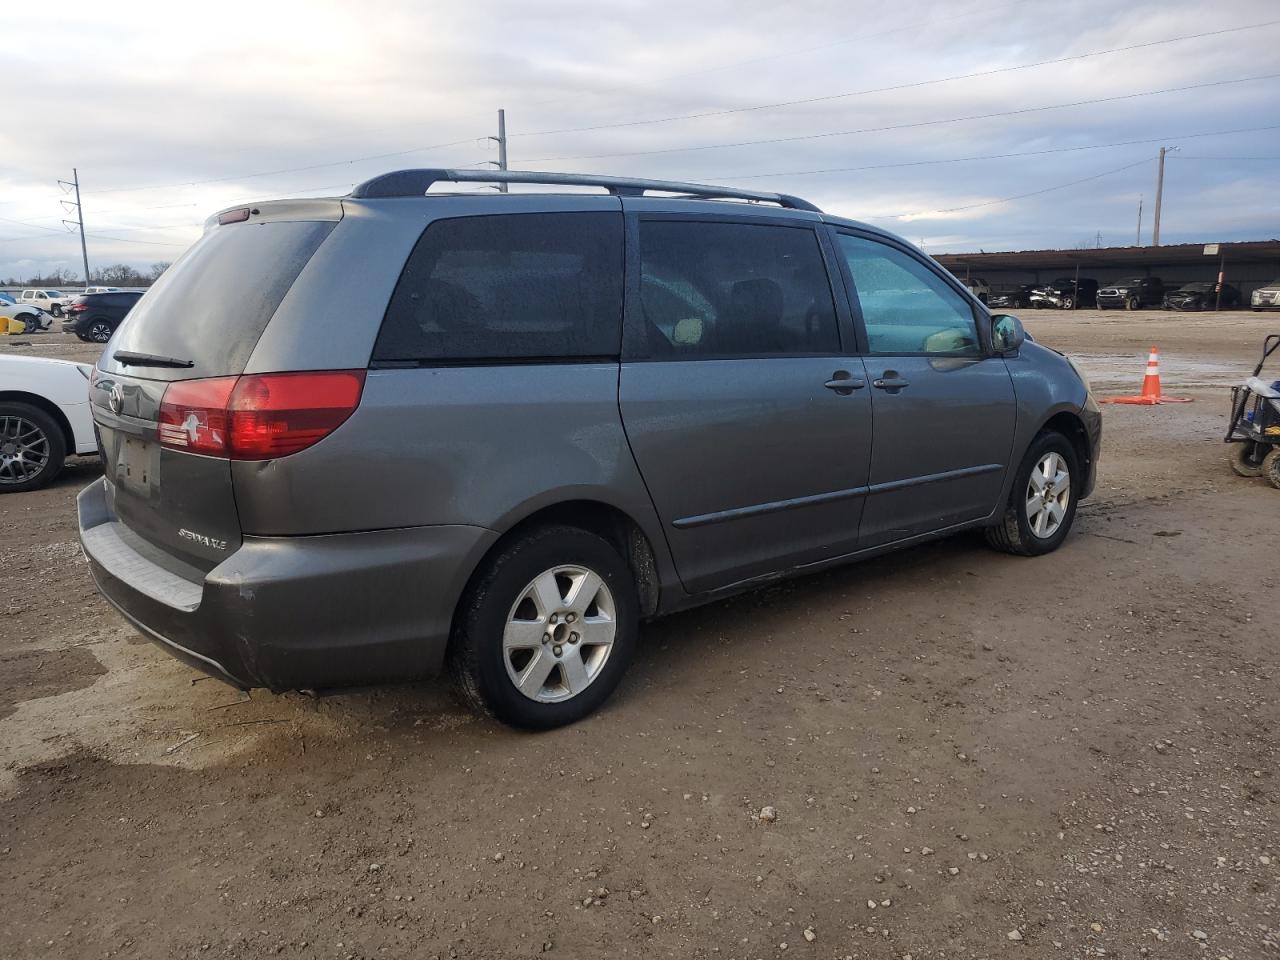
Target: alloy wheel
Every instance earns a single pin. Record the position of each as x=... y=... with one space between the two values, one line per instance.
x=100 y=332
x=559 y=633
x=24 y=450
x=1048 y=495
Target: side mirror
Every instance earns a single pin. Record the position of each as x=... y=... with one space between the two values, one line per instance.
x=1007 y=334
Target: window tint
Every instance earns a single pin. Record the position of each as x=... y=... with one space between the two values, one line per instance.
x=907 y=308
x=212 y=306
x=509 y=286
x=734 y=289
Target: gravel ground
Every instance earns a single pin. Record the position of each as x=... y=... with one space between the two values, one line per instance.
x=943 y=753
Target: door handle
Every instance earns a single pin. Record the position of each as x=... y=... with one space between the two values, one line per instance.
x=890 y=382
x=844 y=383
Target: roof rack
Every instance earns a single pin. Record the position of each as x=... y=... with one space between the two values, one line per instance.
x=415 y=183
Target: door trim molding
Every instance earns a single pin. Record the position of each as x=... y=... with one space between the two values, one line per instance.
x=775 y=506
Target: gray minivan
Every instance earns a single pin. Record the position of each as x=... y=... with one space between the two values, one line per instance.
x=352 y=440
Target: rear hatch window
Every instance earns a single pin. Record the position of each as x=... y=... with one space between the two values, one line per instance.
x=211 y=306
x=201 y=320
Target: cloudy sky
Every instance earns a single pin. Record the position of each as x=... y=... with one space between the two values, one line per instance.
x=962 y=125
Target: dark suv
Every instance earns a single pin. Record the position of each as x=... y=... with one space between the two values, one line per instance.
x=1132 y=294
x=95 y=316
x=498 y=431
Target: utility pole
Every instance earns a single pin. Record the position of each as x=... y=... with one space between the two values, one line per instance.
x=75 y=184
x=1138 y=242
x=501 y=138
x=1155 y=229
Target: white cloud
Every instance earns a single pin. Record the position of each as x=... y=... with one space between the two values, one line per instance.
x=199 y=93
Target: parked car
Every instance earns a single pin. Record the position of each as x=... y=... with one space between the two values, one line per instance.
x=33 y=318
x=1266 y=297
x=8 y=298
x=51 y=301
x=95 y=316
x=1201 y=296
x=496 y=432
x=1132 y=294
x=1061 y=294
x=44 y=415
x=1010 y=295
x=101 y=289
x=978 y=287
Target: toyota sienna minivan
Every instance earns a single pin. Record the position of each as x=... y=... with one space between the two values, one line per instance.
x=355 y=440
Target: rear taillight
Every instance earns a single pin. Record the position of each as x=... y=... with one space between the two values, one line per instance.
x=259 y=416
x=78 y=307
x=193 y=416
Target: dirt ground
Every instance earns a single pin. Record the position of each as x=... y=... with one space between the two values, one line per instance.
x=969 y=755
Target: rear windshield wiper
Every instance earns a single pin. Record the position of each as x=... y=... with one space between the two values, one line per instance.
x=130 y=359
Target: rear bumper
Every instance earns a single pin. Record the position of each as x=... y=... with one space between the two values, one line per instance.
x=288 y=613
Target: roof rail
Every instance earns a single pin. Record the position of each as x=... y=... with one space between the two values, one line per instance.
x=415 y=183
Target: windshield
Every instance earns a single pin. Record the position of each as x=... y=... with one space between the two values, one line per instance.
x=1197 y=287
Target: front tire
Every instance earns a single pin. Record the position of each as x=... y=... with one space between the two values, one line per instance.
x=1133 y=303
x=32 y=448
x=1068 y=303
x=546 y=629
x=1042 y=503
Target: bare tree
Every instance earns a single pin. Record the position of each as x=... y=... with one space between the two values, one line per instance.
x=159 y=267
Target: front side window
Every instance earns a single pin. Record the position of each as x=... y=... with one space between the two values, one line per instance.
x=509 y=287
x=906 y=307
x=712 y=289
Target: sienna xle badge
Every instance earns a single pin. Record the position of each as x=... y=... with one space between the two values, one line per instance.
x=495 y=432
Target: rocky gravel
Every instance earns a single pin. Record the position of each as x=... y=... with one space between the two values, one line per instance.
x=944 y=753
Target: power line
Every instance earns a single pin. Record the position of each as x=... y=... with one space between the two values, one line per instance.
x=1005 y=156
x=1020 y=196
x=910 y=28
x=1183 y=156
x=900 y=86
x=901 y=126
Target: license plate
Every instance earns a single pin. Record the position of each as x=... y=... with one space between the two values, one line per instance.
x=136 y=467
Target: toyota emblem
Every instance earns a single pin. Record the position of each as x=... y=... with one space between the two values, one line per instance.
x=116 y=398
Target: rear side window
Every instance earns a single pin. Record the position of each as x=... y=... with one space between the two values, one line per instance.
x=733 y=290
x=509 y=287
x=212 y=306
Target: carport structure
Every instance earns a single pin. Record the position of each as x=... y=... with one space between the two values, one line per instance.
x=1247 y=265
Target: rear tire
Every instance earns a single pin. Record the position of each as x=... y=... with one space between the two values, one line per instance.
x=1040 y=511
x=1271 y=467
x=1247 y=457
x=511 y=660
x=32 y=447
x=100 y=331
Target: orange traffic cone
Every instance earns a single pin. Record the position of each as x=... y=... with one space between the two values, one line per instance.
x=1151 y=394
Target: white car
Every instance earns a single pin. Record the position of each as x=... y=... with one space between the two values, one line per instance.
x=44 y=416
x=51 y=300
x=28 y=314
